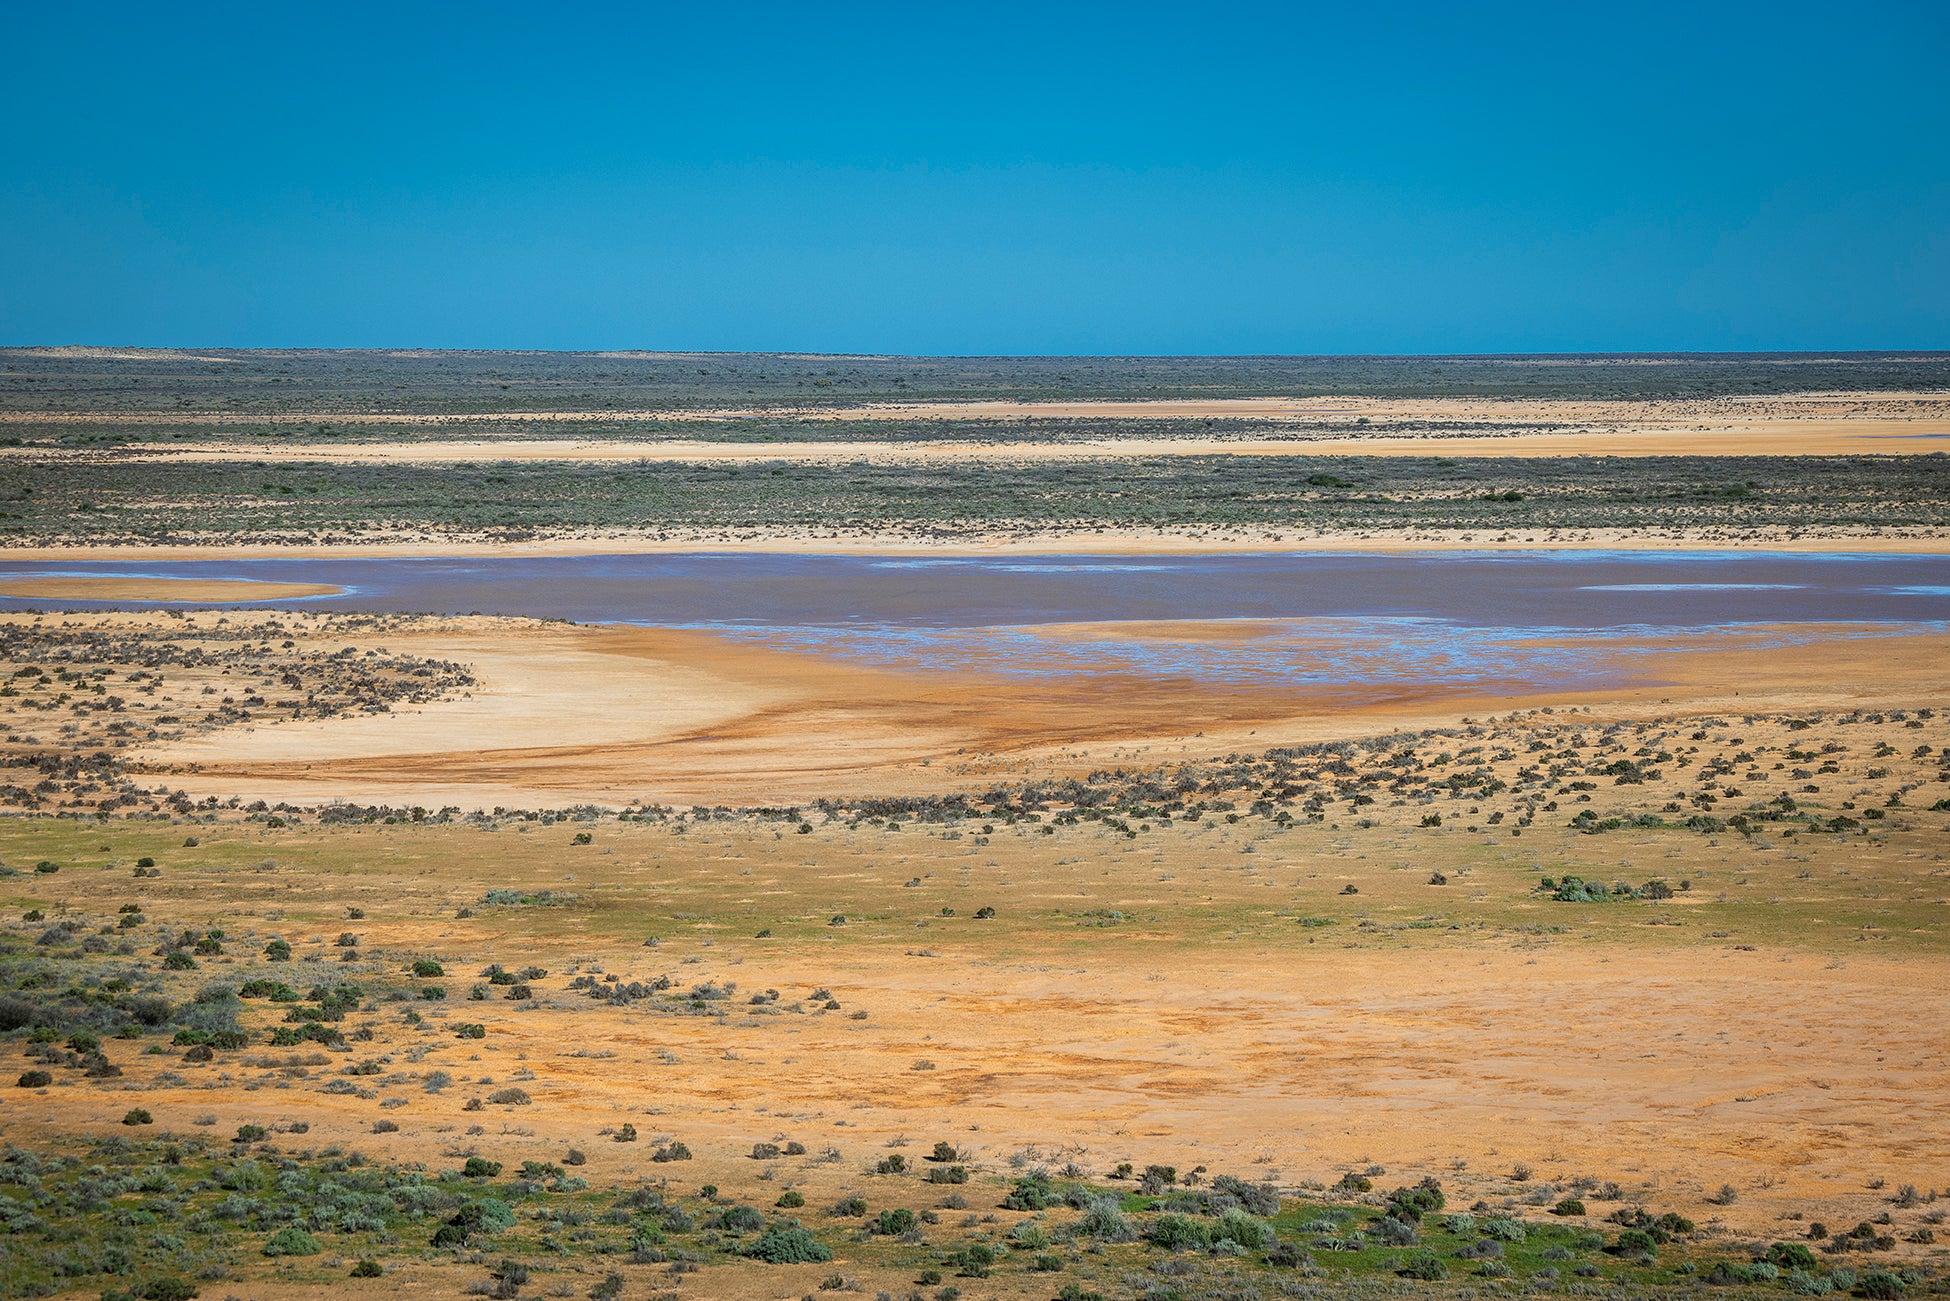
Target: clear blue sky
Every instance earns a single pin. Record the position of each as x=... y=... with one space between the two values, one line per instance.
x=973 y=179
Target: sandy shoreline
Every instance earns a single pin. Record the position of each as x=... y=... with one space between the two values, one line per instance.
x=170 y=590
x=567 y=714
x=1104 y=542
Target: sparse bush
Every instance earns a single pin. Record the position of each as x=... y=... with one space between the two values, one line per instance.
x=1393 y=1232
x=1178 y=1233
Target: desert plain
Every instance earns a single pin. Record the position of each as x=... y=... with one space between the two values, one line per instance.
x=360 y=951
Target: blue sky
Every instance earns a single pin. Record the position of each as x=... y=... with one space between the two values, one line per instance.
x=993 y=179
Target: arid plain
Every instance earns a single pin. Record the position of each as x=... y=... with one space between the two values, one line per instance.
x=722 y=967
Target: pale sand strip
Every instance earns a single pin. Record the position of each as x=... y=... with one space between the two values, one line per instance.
x=1809 y=438
x=1027 y=542
x=203 y=591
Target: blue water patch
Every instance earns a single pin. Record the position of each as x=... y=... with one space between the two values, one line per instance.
x=1692 y=587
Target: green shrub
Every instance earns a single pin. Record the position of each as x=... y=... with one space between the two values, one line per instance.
x=1880 y=1285
x=1032 y=1192
x=34 y=1080
x=291 y=1241
x=778 y=1246
x=427 y=969
x=137 y=1116
x=479 y=1167
x=367 y=1269
x=165 y=1288
x=1634 y=1242
x=1569 y=1206
x=975 y=1260
x=741 y=1219
x=791 y=1199
x=1178 y=1233
x=1248 y=1231
x=893 y=1223
x=1425 y=1266
x=1791 y=1255
x=1411 y=1204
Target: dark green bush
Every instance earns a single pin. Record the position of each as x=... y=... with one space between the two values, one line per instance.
x=1032 y=1192
x=291 y=1241
x=1411 y=1204
x=1634 y=1242
x=893 y=1223
x=778 y=1246
x=1423 y=1265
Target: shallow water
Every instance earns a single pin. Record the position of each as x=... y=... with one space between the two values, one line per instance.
x=1312 y=618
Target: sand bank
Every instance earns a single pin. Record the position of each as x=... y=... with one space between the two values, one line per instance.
x=610 y=715
x=199 y=591
x=1099 y=542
